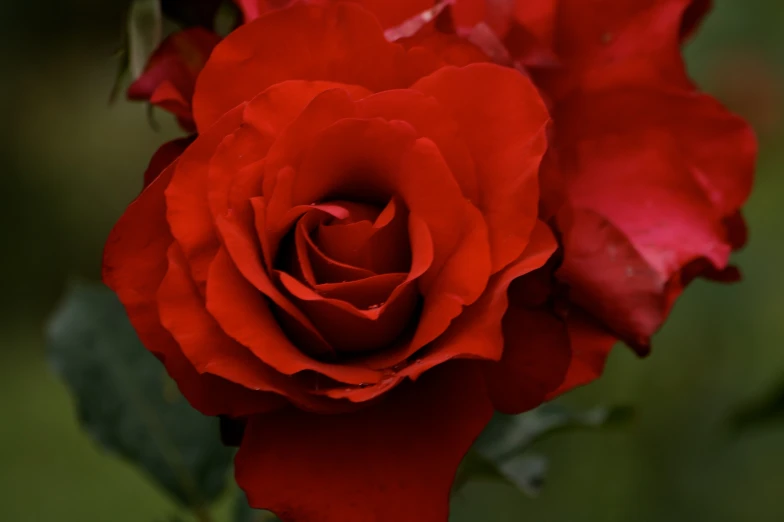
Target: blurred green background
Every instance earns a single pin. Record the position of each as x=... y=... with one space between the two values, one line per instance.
x=69 y=163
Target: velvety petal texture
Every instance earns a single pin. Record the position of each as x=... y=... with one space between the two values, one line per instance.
x=329 y=259
x=646 y=175
x=652 y=172
x=399 y=217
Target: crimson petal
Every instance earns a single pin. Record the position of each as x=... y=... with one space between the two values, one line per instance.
x=394 y=461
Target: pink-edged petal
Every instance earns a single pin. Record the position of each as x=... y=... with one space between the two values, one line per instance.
x=252 y=9
x=653 y=176
x=609 y=277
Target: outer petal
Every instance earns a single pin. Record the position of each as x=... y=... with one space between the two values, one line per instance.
x=609 y=277
x=536 y=357
x=187 y=206
x=590 y=345
x=503 y=121
x=165 y=156
x=341 y=43
x=390 y=462
x=605 y=43
x=134 y=265
x=212 y=351
x=655 y=177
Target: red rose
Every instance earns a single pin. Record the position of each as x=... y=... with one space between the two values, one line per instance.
x=330 y=259
x=645 y=177
x=280 y=267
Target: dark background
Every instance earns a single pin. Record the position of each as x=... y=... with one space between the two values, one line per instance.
x=69 y=163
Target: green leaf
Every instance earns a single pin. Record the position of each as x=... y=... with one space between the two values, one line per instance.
x=127 y=403
x=244 y=513
x=526 y=472
x=765 y=411
x=145 y=32
x=507 y=435
x=501 y=452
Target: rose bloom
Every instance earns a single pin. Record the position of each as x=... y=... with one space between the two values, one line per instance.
x=368 y=246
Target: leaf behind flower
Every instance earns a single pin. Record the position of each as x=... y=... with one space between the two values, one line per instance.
x=126 y=402
x=502 y=452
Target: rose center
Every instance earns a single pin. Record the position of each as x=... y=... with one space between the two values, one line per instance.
x=346 y=265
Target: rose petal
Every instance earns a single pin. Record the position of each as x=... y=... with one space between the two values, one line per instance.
x=611 y=279
x=609 y=43
x=341 y=43
x=209 y=349
x=244 y=254
x=476 y=333
x=537 y=355
x=237 y=168
x=133 y=266
x=503 y=121
x=663 y=168
x=326 y=269
x=348 y=328
x=433 y=121
x=187 y=208
x=165 y=156
x=337 y=166
x=590 y=345
x=380 y=246
x=253 y=325
x=390 y=462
